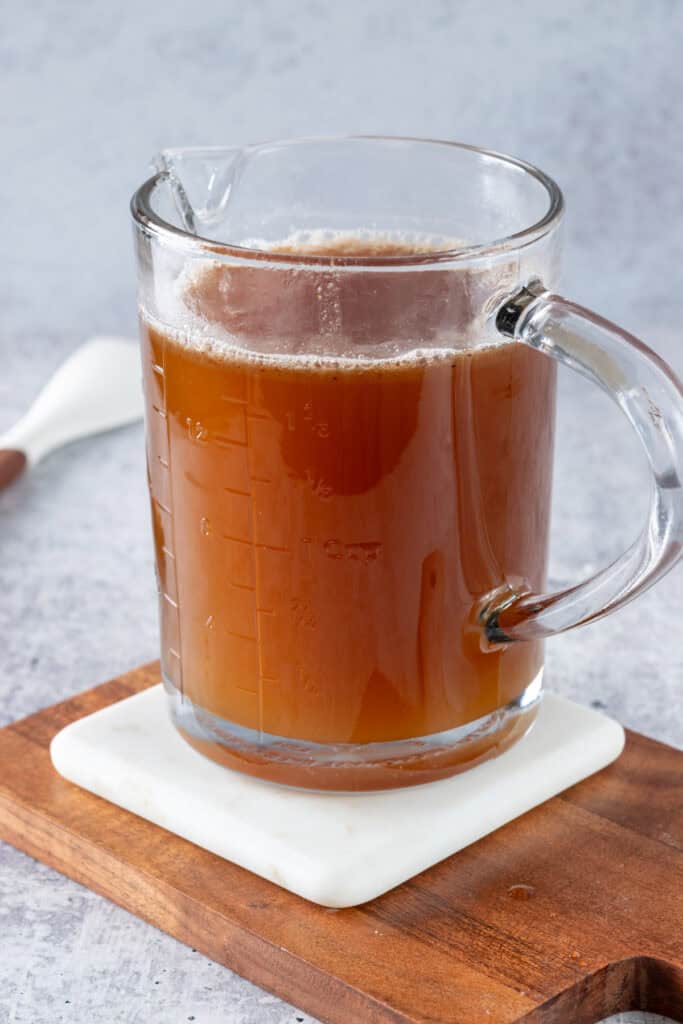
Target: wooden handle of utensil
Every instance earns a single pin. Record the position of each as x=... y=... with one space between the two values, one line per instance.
x=12 y=465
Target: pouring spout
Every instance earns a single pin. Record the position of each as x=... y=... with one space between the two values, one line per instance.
x=202 y=181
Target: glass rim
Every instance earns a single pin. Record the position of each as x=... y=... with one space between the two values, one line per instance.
x=149 y=221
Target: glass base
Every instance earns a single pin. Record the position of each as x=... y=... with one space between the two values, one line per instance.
x=350 y=767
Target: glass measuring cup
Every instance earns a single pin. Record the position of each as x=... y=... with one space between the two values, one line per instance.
x=349 y=351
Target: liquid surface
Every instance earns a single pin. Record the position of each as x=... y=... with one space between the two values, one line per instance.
x=324 y=529
x=331 y=244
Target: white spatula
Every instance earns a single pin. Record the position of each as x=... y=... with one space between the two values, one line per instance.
x=96 y=389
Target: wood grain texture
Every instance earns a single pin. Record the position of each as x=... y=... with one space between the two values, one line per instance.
x=593 y=927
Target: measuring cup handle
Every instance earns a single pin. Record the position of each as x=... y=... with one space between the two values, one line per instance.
x=651 y=397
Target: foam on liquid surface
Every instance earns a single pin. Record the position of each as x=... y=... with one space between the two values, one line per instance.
x=213 y=307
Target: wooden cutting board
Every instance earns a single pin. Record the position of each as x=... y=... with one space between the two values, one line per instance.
x=564 y=916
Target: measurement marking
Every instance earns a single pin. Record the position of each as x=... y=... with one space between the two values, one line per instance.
x=243 y=689
x=233 y=490
x=237 y=401
x=242 y=636
x=270 y=679
x=265 y=611
x=162 y=411
x=224 y=443
x=242 y=586
x=252 y=509
x=260 y=479
x=271 y=547
x=237 y=540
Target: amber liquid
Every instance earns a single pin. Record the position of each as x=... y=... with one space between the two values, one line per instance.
x=324 y=531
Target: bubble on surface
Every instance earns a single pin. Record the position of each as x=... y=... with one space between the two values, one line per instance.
x=192 y=308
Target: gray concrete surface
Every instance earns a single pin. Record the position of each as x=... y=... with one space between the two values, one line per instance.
x=591 y=92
